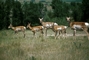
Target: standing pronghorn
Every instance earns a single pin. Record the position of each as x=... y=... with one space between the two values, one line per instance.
x=47 y=25
x=58 y=29
x=18 y=28
x=35 y=29
x=78 y=25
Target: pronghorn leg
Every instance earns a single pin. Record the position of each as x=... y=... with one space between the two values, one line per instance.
x=46 y=32
x=86 y=31
x=59 y=34
x=55 y=34
x=24 y=33
x=15 y=32
x=34 y=34
x=74 y=33
x=65 y=34
x=42 y=33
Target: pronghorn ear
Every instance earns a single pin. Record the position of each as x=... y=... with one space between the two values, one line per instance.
x=29 y=23
x=67 y=17
x=10 y=24
x=39 y=18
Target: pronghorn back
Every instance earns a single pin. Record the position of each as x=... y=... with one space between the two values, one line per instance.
x=20 y=28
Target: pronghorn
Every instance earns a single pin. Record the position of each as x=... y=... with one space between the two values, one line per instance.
x=78 y=25
x=59 y=29
x=47 y=25
x=18 y=28
x=35 y=29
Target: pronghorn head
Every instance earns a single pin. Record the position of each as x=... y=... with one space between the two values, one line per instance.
x=41 y=19
x=10 y=26
x=28 y=25
x=68 y=19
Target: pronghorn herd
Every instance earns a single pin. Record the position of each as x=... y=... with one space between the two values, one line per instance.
x=58 y=29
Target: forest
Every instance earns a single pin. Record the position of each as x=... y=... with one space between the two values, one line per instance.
x=16 y=13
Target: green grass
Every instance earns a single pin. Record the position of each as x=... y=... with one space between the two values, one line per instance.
x=15 y=47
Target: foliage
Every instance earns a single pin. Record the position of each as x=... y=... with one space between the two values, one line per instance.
x=76 y=11
x=17 y=18
x=32 y=14
x=2 y=14
x=60 y=8
x=85 y=8
x=15 y=47
x=22 y=13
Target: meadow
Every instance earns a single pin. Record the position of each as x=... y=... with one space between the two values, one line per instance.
x=15 y=47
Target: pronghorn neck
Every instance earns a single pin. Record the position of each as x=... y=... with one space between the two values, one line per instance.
x=70 y=20
x=42 y=22
x=30 y=27
x=53 y=27
x=12 y=27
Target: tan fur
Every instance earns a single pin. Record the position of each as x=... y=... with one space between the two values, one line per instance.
x=59 y=29
x=36 y=29
x=82 y=24
x=47 y=25
x=18 y=28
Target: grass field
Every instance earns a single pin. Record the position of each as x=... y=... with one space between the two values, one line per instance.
x=15 y=47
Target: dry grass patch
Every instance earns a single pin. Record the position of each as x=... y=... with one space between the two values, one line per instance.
x=15 y=47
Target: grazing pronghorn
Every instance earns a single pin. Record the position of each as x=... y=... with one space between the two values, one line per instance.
x=47 y=25
x=18 y=28
x=35 y=29
x=78 y=25
x=59 y=29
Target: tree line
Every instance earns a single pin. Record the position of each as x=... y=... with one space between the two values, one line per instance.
x=12 y=11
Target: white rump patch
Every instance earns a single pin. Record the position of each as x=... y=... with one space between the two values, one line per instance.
x=55 y=24
x=65 y=27
x=87 y=24
x=47 y=24
x=24 y=27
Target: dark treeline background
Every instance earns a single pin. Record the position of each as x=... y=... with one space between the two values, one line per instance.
x=16 y=13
